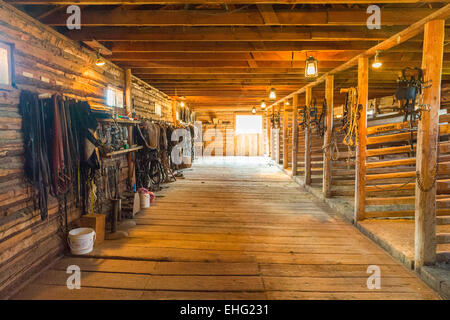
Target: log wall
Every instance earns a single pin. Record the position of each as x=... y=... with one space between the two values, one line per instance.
x=45 y=62
x=145 y=99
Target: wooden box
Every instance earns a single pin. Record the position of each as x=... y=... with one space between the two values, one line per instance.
x=96 y=222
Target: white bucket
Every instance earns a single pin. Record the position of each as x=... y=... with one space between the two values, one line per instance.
x=81 y=240
x=145 y=200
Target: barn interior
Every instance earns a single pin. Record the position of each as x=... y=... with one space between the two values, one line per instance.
x=172 y=149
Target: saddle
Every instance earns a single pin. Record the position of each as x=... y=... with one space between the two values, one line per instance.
x=163 y=138
x=153 y=134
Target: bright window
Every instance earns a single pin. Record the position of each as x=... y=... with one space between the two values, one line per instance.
x=5 y=64
x=114 y=97
x=248 y=124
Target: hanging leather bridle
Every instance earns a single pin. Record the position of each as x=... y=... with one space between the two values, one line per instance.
x=275 y=120
x=302 y=116
x=410 y=86
x=316 y=119
x=37 y=169
x=321 y=123
x=313 y=113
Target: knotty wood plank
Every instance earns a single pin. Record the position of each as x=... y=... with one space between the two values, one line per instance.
x=235 y=229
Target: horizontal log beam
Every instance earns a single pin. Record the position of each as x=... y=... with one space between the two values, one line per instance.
x=238 y=56
x=239 y=46
x=249 y=17
x=198 y=70
x=225 y=64
x=387 y=65
x=142 y=2
x=260 y=56
x=260 y=46
x=232 y=34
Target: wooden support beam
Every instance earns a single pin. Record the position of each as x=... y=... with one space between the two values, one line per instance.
x=360 y=169
x=329 y=97
x=174 y=111
x=268 y=134
x=245 y=17
x=244 y=46
x=129 y=111
x=273 y=131
x=427 y=144
x=49 y=12
x=268 y=14
x=308 y=141
x=98 y=47
x=226 y=33
x=294 y=134
x=128 y=99
x=285 y=136
x=227 y=2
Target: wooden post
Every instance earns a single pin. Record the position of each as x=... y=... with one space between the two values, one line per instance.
x=360 y=168
x=174 y=111
x=308 y=141
x=129 y=111
x=294 y=134
x=128 y=99
x=280 y=113
x=329 y=97
x=268 y=133
x=427 y=144
x=285 y=137
x=273 y=142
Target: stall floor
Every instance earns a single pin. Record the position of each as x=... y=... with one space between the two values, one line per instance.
x=234 y=228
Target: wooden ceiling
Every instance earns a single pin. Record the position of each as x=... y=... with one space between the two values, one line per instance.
x=227 y=55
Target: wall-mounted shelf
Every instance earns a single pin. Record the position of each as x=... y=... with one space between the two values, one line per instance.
x=124 y=121
x=115 y=153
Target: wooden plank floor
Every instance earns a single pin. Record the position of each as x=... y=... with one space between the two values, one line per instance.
x=233 y=229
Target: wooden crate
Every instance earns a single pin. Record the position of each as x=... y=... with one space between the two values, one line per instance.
x=96 y=222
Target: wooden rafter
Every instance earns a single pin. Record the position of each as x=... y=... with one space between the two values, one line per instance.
x=288 y=33
x=133 y=2
x=268 y=14
x=248 y=17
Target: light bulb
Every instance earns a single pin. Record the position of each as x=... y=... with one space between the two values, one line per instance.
x=273 y=94
x=263 y=104
x=99 y=62
x=377 y=63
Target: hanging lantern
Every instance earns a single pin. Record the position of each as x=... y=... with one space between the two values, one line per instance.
x=287 y=103
x=311 y=68
x=272 y=94
x=254 y=110
x=99 y=62
x=263 y=104
x=376 y=62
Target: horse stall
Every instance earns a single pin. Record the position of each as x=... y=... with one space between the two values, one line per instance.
x=218 y=150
